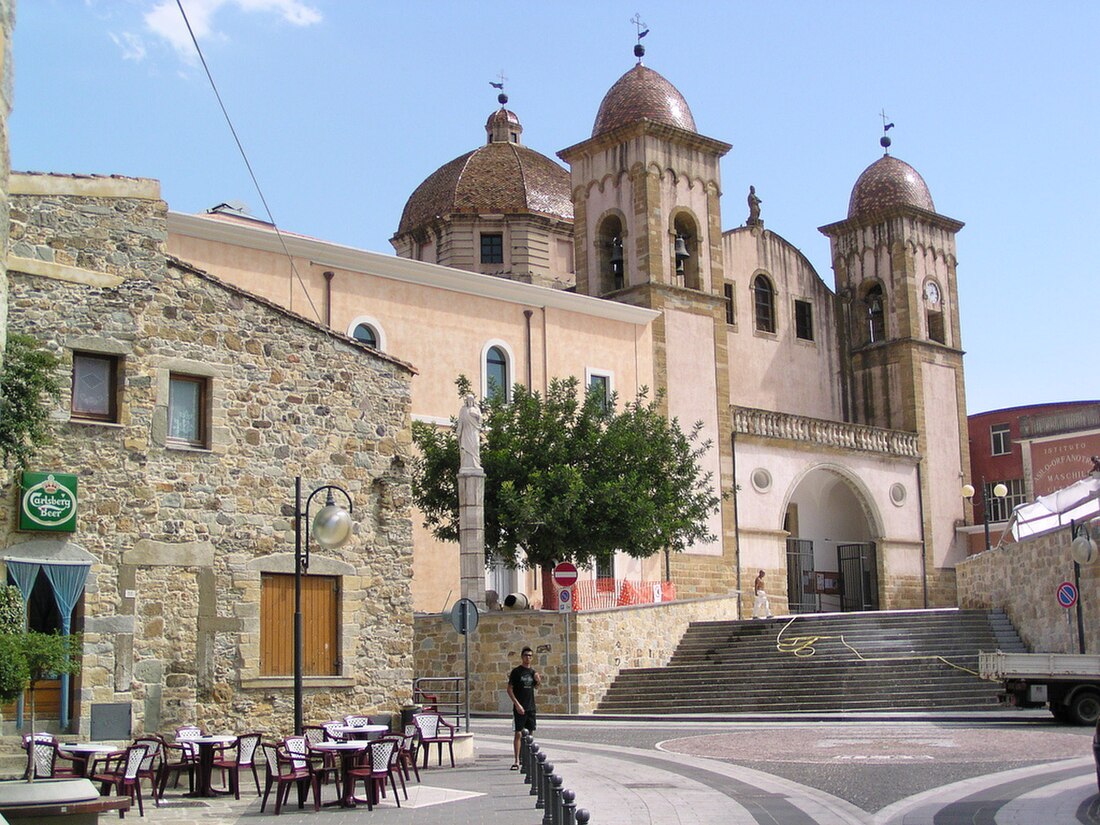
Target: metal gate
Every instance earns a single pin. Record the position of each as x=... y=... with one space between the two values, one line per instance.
x=801 y=595
x=858 y=576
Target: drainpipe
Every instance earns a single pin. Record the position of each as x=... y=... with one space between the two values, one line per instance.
x=736 y=525
x=527 y=313
x=329 y=275
x=923 y=545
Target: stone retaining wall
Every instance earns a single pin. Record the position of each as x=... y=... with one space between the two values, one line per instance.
x=1022 y=578
x=578 y=654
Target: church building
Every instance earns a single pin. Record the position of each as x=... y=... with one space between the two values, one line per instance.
x=836 y=412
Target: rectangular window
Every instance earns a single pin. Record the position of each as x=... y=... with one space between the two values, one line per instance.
x=95 y=387
x=804 y=320
x=188 y=411
x=492 y=248
x=320 y=620
x=1001 y=508
x=935 y=327
x=605 y=570
x=1000 y=438
x=727 y=290
x=600 y=383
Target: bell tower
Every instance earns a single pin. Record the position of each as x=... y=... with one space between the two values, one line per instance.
x=894 y=263
x=647 y=232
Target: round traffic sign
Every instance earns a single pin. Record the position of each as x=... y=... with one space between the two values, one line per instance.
x=464 y=616
x=565 y=574
x=1067 y=594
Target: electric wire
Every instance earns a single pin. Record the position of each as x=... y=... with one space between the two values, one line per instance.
x=247 y=163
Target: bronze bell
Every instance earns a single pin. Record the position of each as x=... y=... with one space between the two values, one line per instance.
x=616 y=253
x=682 y=253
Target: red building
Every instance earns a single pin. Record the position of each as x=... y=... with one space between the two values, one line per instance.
x=1032 y=450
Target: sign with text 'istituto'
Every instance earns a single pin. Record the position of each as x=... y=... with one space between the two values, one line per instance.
x=565 y=574
x=48 y=502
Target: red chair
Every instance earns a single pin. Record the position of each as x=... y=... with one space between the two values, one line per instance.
x=284 y=770
x=245 y=757
x=152 y=764
x=408 y=752
x=43 y=757
x=122 y=772
x=381 y=764
x=332 y=732
x=185 y=762
x=356 y=721
x=433 y=728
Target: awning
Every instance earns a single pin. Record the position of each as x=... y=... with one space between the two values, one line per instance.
x=1077 y=502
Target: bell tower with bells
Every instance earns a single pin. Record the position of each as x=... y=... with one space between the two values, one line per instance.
x=894 y=261
x=647 y=232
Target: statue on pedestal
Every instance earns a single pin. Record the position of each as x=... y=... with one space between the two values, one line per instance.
x=468 y=429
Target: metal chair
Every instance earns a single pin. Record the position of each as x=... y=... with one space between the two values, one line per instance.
x=433 y=728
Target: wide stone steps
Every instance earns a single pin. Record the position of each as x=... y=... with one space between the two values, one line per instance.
x=867 y=661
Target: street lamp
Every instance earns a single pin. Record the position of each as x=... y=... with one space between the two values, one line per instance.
x=999 y=491
x=1083 y=551
x=331 y=528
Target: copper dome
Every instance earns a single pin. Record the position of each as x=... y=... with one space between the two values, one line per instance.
x=500 y=178
x=886 y=183
x=639 y=94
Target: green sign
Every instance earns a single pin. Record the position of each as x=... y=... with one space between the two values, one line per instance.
x=48 y=502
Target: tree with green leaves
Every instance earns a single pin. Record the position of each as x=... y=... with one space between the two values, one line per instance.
x=28 y=381
x=570 y=479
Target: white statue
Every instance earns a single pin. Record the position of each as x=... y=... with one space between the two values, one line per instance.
x=469 y=435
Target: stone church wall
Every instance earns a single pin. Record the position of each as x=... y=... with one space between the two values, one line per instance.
x=181 y=536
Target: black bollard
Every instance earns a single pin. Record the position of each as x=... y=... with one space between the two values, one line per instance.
x=524 y=752
x=537 y=772
x=555 y=801
x=544 y=786
x=582 y=816
x=568 y=808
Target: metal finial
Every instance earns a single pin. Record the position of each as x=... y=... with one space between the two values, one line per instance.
x=502 y=98
x=639 y=49
x=885 y=141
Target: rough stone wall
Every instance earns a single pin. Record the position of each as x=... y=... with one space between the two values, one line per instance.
x=1022 y=578
x=578 y=654
x=7 y=23
x=182 y=535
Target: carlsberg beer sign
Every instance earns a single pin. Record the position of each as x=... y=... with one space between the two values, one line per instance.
x=48 y=502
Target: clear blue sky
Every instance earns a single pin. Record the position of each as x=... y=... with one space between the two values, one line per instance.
x=345 y=106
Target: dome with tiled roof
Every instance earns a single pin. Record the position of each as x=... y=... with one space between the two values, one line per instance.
x=886 y=183
x=503 y=177
x=640 y=94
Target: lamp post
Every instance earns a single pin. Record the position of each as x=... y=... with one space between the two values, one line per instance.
x=999 y=491
x=331 y=528
x=1083 y=550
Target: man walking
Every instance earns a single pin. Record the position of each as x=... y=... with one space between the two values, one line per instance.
x=522 y=682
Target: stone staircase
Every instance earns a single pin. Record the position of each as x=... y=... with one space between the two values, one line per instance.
x=905 y=660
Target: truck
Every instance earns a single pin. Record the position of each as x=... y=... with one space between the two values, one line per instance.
x=1067 y=683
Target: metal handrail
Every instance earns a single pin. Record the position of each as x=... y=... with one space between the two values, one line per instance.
x=437 y=692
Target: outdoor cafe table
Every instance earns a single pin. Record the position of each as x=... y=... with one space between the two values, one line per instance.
x=86 y=752
x=348 y=751
x=207 y=745
x=361 y=731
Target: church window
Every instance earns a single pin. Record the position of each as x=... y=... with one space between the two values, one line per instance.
x=764 y=304
x=95 y=387
x=492 y=248
x=727 y=291
x=366 y=334
x=876 y=315
x=496 y=372
x=1001 y=439
x=365 y=328
x=610 y=256
x=804 y=320
x=935 y=326
x=685 y=252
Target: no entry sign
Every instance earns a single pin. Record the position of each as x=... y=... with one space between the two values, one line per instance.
x=565 y=574
x=1067 y=594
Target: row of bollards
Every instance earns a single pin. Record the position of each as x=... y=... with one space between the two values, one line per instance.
x=558 y=806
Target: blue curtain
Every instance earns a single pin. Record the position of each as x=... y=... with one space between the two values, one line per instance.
x=67 y=581
x=24 y=573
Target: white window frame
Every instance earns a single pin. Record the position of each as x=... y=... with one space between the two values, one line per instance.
x=509 y=367
x=593 y=372
x=1000 y=433
x=371 y=322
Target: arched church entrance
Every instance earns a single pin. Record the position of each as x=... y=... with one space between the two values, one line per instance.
x=832 y=562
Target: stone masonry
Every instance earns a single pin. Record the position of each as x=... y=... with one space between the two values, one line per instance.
x=181 y=535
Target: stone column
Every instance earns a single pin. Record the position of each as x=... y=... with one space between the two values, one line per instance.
x=471 y=534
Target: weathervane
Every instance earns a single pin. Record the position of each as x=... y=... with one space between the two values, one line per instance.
x=639 y=49
x=884 y=141
x=501 y=98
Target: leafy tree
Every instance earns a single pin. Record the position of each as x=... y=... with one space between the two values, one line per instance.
x=28 y=379
x=569 y=479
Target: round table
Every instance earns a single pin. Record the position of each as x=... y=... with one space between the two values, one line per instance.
x=86 y=751
x=348 y=751
x=361 y=731
x=207 y=744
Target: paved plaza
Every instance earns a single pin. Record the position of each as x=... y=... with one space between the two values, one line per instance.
x=874 y=770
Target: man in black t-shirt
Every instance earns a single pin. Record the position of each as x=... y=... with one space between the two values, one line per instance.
x=522 y=682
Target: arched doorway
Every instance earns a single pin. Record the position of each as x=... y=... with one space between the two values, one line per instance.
x=832 y=562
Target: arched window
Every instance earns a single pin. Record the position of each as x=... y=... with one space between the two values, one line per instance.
x=876 y=314
x=610 y=256
x=685 y=252
x=763 y=299
x=369 y=331
x=496 y=372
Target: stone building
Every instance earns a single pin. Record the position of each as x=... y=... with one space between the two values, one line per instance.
x=188 y=408
x=836 y=412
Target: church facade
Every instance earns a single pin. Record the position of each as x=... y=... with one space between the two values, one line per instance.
x=836 y=412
